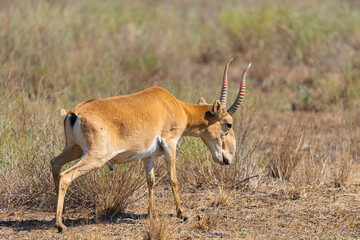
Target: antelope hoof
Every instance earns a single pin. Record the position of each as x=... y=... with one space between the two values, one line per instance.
x=60 y=227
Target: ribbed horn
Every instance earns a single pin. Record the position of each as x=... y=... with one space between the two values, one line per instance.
x=224 y=88
x=241 y=94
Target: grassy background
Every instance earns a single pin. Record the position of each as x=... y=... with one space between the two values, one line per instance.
x=299 y=122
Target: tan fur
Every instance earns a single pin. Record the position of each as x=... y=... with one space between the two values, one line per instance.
x=143 y=125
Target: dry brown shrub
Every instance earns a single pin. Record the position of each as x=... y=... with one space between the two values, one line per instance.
x=209 y=220
x=341 y=171
x=212 y=214
x=23 y=188
x=328 y=158
x=285 y=146
x=156 y=228
x=221 y=198
x=109 y=192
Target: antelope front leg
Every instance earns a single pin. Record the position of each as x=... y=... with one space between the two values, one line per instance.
x=150 y=178
x=170 y=158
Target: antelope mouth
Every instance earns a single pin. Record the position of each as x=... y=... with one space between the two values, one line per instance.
x=225 y=161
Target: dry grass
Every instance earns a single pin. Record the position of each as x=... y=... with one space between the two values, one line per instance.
x=221 y=197
x=109 y=193
x=285 y=152
x=209 y=220
x=298 y=130
x=157 y=228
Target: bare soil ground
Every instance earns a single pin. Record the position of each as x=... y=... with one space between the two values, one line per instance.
x=265 y=212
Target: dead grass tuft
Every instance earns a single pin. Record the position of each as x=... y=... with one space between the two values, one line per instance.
x=209 y=220
x=109 y=192
x=341 y=171
x=221 y=197
x=156 y=228
x=285 y=146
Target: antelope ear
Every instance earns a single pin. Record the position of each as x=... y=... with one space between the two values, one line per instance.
x=216 y=108
x=202 y=101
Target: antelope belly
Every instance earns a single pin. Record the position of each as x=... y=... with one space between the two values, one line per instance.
x=124 y=156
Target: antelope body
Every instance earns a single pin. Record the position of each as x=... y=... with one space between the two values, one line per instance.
x=142 y=125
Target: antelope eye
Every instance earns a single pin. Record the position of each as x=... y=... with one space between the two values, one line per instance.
x=229 y=125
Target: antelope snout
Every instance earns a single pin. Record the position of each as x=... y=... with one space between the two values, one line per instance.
x=225 y=161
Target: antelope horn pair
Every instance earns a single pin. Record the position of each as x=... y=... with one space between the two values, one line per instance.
x=241 y=94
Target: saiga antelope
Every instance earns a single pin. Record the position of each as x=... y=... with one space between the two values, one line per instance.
x=142 y=125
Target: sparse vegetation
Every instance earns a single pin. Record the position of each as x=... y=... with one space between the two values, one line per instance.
x=209 y=220
x=298 y=129
x=157 y=228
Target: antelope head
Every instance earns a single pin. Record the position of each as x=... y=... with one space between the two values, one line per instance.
x=219 y=135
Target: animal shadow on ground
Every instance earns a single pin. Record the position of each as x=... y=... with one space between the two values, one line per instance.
x=34 y=224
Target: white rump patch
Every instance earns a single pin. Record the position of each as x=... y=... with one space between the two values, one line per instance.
x=78 y=135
